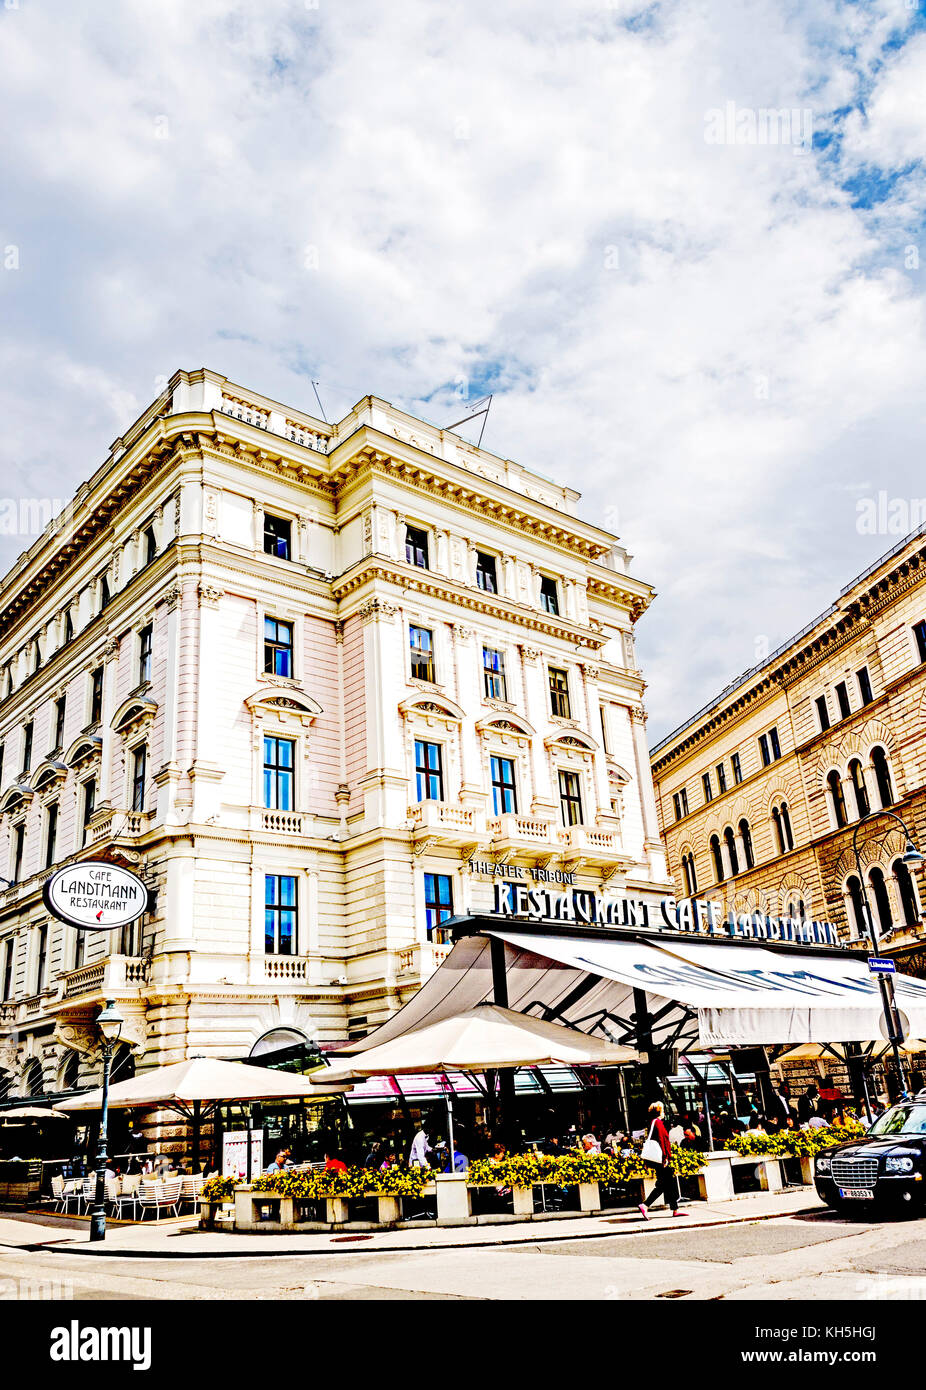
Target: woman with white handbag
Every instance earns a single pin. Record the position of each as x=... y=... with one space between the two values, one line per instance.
x=657 y=1150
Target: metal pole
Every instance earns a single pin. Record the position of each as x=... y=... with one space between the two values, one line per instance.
x=98 y=1215
x=448 y=1094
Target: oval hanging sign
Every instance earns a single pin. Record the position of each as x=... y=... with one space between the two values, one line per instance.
x=95 y=896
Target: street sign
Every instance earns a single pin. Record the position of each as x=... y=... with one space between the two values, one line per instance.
x=95 y=896
x=881 y=965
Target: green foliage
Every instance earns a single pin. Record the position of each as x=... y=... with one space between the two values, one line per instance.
x=218 y=1189
x=569 y=1169
x=794 y=1143
x=355 y=1182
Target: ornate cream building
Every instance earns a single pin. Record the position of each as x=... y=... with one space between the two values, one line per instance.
x=296 y=675
x=761 y=792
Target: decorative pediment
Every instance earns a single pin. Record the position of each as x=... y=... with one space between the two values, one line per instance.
x=509 y=723
x=280 y=699
x=617 y=774
x=49 y=774
x=83 y=749
x=430 y=708
x=19 y=794
x=576 y=739
x=132 y=712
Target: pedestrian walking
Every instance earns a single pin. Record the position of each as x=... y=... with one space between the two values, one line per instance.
x=666 y=1182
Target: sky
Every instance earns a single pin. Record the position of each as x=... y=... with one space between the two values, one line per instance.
x=708 y=320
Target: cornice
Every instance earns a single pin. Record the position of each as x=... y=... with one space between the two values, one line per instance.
x=434 y=585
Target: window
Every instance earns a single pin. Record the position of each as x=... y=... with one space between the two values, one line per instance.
x=823 y=713
x=717 y=856
x=746 y=839
x=28 y=731
x=105 y=594
x=864 y=686
x=570 y=798
x=145 y=644
x=858 y=787
x=416 y=547
x=737 y=769
x=731 y=849
x=769 y=747
x=68 y=626
x=837 y=802
x=80 y=946
x=909 y=907
x=2 y=751
x=280 y=914
x=41 y=957
x=691 y=878
x=857 y=922
x=721 y=778
x=278 y=537
x=89 y=806
x=429 y=771
x=782 y=818
x=438 y=905
x=486 y=576
x=421 y=642
x=882 y=776
x=706 y=784
x=549 y=597
x=919 y=636
x=51 y=833
x=882 y=899
x=60 y=712
x=19 y=845
x=680 y=803
x=96 y=696
x=139 y=772
x=559 y=692
x=278 y=647
x=36 y=654
x=605 y=740
x=9 y=955
x=279 y=761
x=150 y=544
x=842 y=699
x=504 y=791
x=493 y=674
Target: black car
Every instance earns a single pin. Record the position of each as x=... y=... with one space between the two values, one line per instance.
x=886 y=1166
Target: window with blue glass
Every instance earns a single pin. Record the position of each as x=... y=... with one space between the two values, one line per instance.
x=504 y=791
x=493 y=667
x=281 y=910
x=279 y=761
x=429 y=772
x=438 y=904
x=278 y=647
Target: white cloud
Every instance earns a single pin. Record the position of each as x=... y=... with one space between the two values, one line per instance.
x=709 y=340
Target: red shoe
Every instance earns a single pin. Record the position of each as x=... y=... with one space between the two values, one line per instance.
x=678 y=1212
x=643 y=1212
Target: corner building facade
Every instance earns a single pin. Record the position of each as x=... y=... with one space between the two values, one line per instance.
x=761 y=792
x=297 y=675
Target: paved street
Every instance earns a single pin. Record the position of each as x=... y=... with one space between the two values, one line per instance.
x=806 y=1255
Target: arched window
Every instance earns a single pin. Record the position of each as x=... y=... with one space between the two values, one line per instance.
x=69 y=1077
x=123 y=1063
x=691 y=878
x=746 y=837
x=34 y=1080
x=855 y=910
x=779 y=837
x=834 y=787
x=797 y=909
x=882 y=899
x=882 y=776
x=717 y=857
x=858 y=786
x=909 y=908
x=731 y=850
x=787 y=837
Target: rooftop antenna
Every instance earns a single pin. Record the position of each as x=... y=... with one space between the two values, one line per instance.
x=320 y=406
x=480 y=407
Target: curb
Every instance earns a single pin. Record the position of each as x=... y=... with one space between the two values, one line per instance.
x=644 y=1227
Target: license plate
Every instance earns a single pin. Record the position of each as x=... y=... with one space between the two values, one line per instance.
x=863 y=1194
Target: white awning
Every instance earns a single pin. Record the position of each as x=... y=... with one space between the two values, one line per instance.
x=707 y=994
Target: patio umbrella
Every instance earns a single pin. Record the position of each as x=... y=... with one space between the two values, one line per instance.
x=809 y=1052
x=194 y=1088
x=22 y=1113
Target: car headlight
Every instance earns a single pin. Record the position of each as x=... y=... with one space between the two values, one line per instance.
x=823 y=1163
x=898 y=1165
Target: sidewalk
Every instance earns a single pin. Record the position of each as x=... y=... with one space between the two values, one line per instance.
x=182 y=1238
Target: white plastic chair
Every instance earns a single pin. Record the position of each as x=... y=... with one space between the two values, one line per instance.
x=130 y=1195
x=161 y=1194
x=191 y=1188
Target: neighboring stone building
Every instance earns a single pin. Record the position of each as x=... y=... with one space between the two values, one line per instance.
x=295 y=675
x=760 y=792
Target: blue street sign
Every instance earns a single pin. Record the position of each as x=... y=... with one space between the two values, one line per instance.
x=881 y=965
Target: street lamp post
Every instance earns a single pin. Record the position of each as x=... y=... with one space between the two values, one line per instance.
x=912 y=858
x=109 y=1022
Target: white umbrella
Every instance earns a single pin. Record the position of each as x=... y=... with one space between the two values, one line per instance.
x=200 y=1080
x=809 y=1052
x=29 y=1112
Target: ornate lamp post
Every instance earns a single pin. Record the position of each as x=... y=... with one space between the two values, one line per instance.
x=912 y=858
x=109 y=1022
